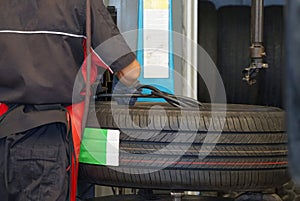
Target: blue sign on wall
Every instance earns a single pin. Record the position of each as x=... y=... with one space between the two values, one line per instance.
x=163 y=77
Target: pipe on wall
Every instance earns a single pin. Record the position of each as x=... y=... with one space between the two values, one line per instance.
x=190 y=26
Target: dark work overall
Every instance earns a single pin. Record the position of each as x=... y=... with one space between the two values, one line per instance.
x=34 y=161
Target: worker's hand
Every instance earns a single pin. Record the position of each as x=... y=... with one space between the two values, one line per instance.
x=129 y=75
x=125 y=82
x=120 y=88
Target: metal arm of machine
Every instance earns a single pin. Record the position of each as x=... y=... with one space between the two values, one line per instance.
x=257 y=50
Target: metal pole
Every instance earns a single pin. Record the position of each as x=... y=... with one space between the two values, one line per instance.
x=257 y=19
x=257 y=50
x=191 y=26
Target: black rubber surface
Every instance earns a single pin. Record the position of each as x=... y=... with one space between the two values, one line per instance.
x=225 y=35
x=289 y=192
x=208 y=40
x=233 y=53
x=271 y=80
x=258 y=197
x=250 y=154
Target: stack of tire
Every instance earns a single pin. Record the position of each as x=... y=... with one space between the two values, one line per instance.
x=229 y=49
x=162 y=147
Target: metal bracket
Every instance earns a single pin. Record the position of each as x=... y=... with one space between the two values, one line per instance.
x=177 y=196
x=257 y=50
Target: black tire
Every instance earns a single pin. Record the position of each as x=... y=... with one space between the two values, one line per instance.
x=258 y=197
x=271 y=80
x=208 y=40
x=234 y=35
x=289 y=192
x=251 y=153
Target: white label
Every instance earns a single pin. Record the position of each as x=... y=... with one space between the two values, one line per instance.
x=156 y=39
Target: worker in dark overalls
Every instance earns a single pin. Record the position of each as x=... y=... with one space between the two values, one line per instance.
x=42 y=52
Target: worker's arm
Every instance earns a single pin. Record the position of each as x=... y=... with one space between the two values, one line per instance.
x=113 y=49
x=130 y=73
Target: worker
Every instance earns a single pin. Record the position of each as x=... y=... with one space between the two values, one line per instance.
x=42 y=52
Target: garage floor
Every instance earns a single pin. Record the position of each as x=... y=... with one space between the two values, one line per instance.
x=159 y=195
x=158 y=198
x=247 y=197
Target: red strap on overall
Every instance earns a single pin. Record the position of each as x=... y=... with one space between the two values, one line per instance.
x=76 y=112
x=3 y=109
